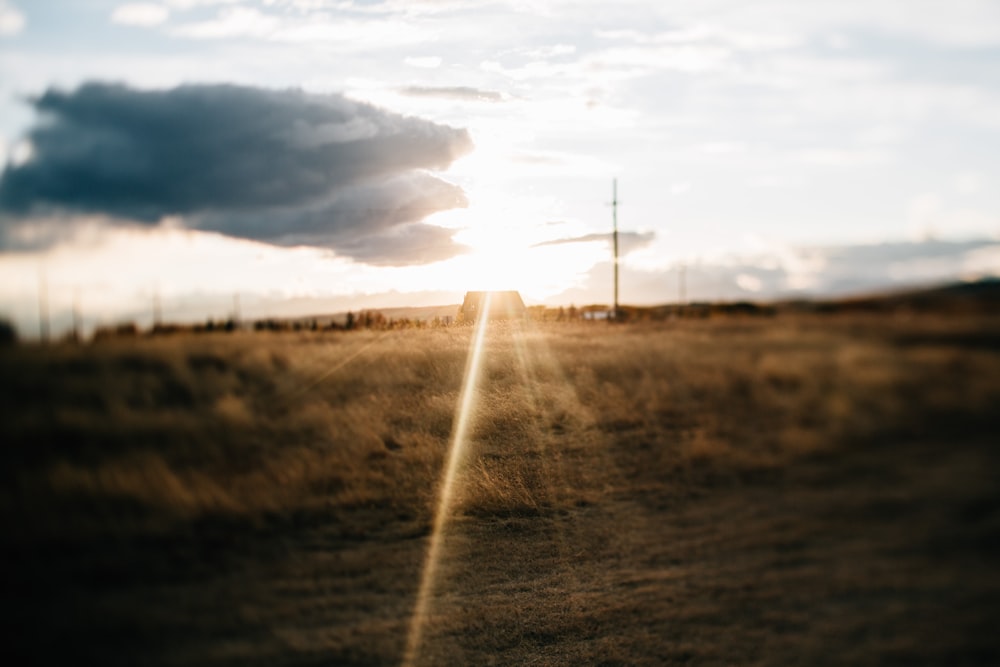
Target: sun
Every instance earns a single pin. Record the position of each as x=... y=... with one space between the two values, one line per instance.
x=514 y=240
x=512 y=257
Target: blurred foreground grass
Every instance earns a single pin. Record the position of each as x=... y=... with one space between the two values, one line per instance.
x=813 y=490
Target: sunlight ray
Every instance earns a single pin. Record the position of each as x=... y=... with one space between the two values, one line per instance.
x=530 y=364
x=572 y=412
x=456 y=454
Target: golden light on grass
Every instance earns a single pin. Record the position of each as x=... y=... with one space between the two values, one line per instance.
x=597 y=495
x=456 y=452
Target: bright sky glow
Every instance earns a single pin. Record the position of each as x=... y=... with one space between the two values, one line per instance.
x=768 y=147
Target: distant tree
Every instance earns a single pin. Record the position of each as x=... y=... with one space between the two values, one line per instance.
x=123 y=330
x=372 y=320
x=165 y=329
x=8 y=334
x=350 y=321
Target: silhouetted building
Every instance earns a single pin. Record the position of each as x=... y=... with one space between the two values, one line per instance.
x=506 y=305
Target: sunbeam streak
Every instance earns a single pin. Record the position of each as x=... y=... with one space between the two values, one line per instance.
x=456 y=453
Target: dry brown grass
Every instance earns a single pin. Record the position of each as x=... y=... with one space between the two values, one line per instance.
x=799 y=490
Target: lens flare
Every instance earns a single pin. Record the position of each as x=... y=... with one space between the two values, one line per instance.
x=456 y=453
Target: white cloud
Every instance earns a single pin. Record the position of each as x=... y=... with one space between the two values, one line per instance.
x=929 y=217
x=551 y=51
x=839 y=41
x=321 y=29
x=772 y=180
x=881 y=135
x=538 y=69
x=353 y=34
x=557 y=164
x=691 y=58
x=981 y=263
x=232 y=22
x=963 y=23
x=12 y=20
x=723 y=147
x=803 y=267
x=191 y=4
x=965 y=222
x=707 y=33
x=924 y=215
x=844 y=157
x=140 y=14
x=426 y=62
x=969 y=182
x=749 y=283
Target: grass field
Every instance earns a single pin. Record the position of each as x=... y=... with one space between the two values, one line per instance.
x=815 y=490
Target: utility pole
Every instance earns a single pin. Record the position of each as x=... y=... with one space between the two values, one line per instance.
x=77 y=328
x=43 y=305
x=236 y=310
x=614 y=218
x=157 y=308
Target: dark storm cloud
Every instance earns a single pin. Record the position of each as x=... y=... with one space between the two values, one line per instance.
x=419 y=244
x=628 y=241
x=454 y=92
x=369 y=209
x=252 y=163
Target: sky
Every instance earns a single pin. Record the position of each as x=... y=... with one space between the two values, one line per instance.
x=292 y=157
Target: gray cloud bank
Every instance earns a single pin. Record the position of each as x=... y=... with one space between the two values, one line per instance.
x=805 y=272
x=281 y=166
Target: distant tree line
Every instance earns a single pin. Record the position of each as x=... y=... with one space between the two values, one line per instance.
x=983 y=299
x=365 y=319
